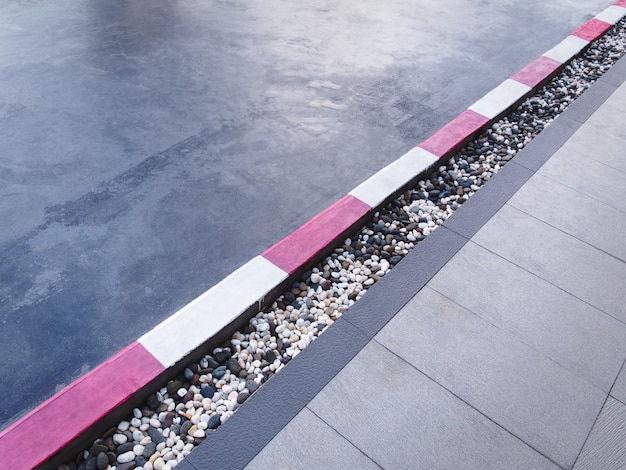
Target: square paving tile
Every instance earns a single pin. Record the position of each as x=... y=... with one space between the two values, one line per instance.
x=608 y=150
x=542 y=403
x=567 y=330
x=606 y=447
x=575 y=266
x=604 y=227
x=307 y=442
x=572 y=167
x=402 y=419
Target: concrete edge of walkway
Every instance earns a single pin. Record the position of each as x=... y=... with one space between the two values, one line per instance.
x=77 y=408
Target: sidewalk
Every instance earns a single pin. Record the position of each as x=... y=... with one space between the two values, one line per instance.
x=497 y=343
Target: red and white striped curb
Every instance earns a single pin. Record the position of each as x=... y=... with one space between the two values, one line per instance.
x=43 y=432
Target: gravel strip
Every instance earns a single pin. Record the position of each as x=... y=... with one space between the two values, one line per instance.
x=178 y=417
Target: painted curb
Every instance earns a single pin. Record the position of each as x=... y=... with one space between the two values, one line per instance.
x=75 y=409
x=39 y=435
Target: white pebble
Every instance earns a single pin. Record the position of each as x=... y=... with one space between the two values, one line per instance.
x=119 y=439
x=126 y=457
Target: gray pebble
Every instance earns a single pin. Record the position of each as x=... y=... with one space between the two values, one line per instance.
x=149 y=449
x=214 y=422
x=155 y=435
x=184 y=429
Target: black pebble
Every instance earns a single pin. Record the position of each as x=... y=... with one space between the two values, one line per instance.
x=214 y=422
x=270 y=356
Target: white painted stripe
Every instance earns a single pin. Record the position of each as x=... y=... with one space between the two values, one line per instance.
x=612 y=14
x=378 y=187
x=500 y=98
x=567 y=49
x=205 y=316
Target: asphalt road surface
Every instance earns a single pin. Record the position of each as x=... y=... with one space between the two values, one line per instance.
x=148 y=149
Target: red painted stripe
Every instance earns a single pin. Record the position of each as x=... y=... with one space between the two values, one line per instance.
x=55 y=423
x=450 y=136
x=620 y=3
x=537 y=71
x=591 y=30
x=302 y=245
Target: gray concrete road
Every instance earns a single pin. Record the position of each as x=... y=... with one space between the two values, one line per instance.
x=148 y=149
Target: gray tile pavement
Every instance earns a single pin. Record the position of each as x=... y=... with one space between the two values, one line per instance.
x=561 y=259
x=608 y=151
x=308 y=440
x=572 y=167
x=534 y=398
x=603 y=225
x=560 y=326
x=409 y=421
x=494 y=344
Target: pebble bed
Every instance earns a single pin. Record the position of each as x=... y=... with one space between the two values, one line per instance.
x=178 y=417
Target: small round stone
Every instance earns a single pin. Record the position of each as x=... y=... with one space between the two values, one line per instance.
x=214 y=422
x=120 y=439
x=126 y=457
x=102 y=461
x=243 y=396
x=149 y=449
